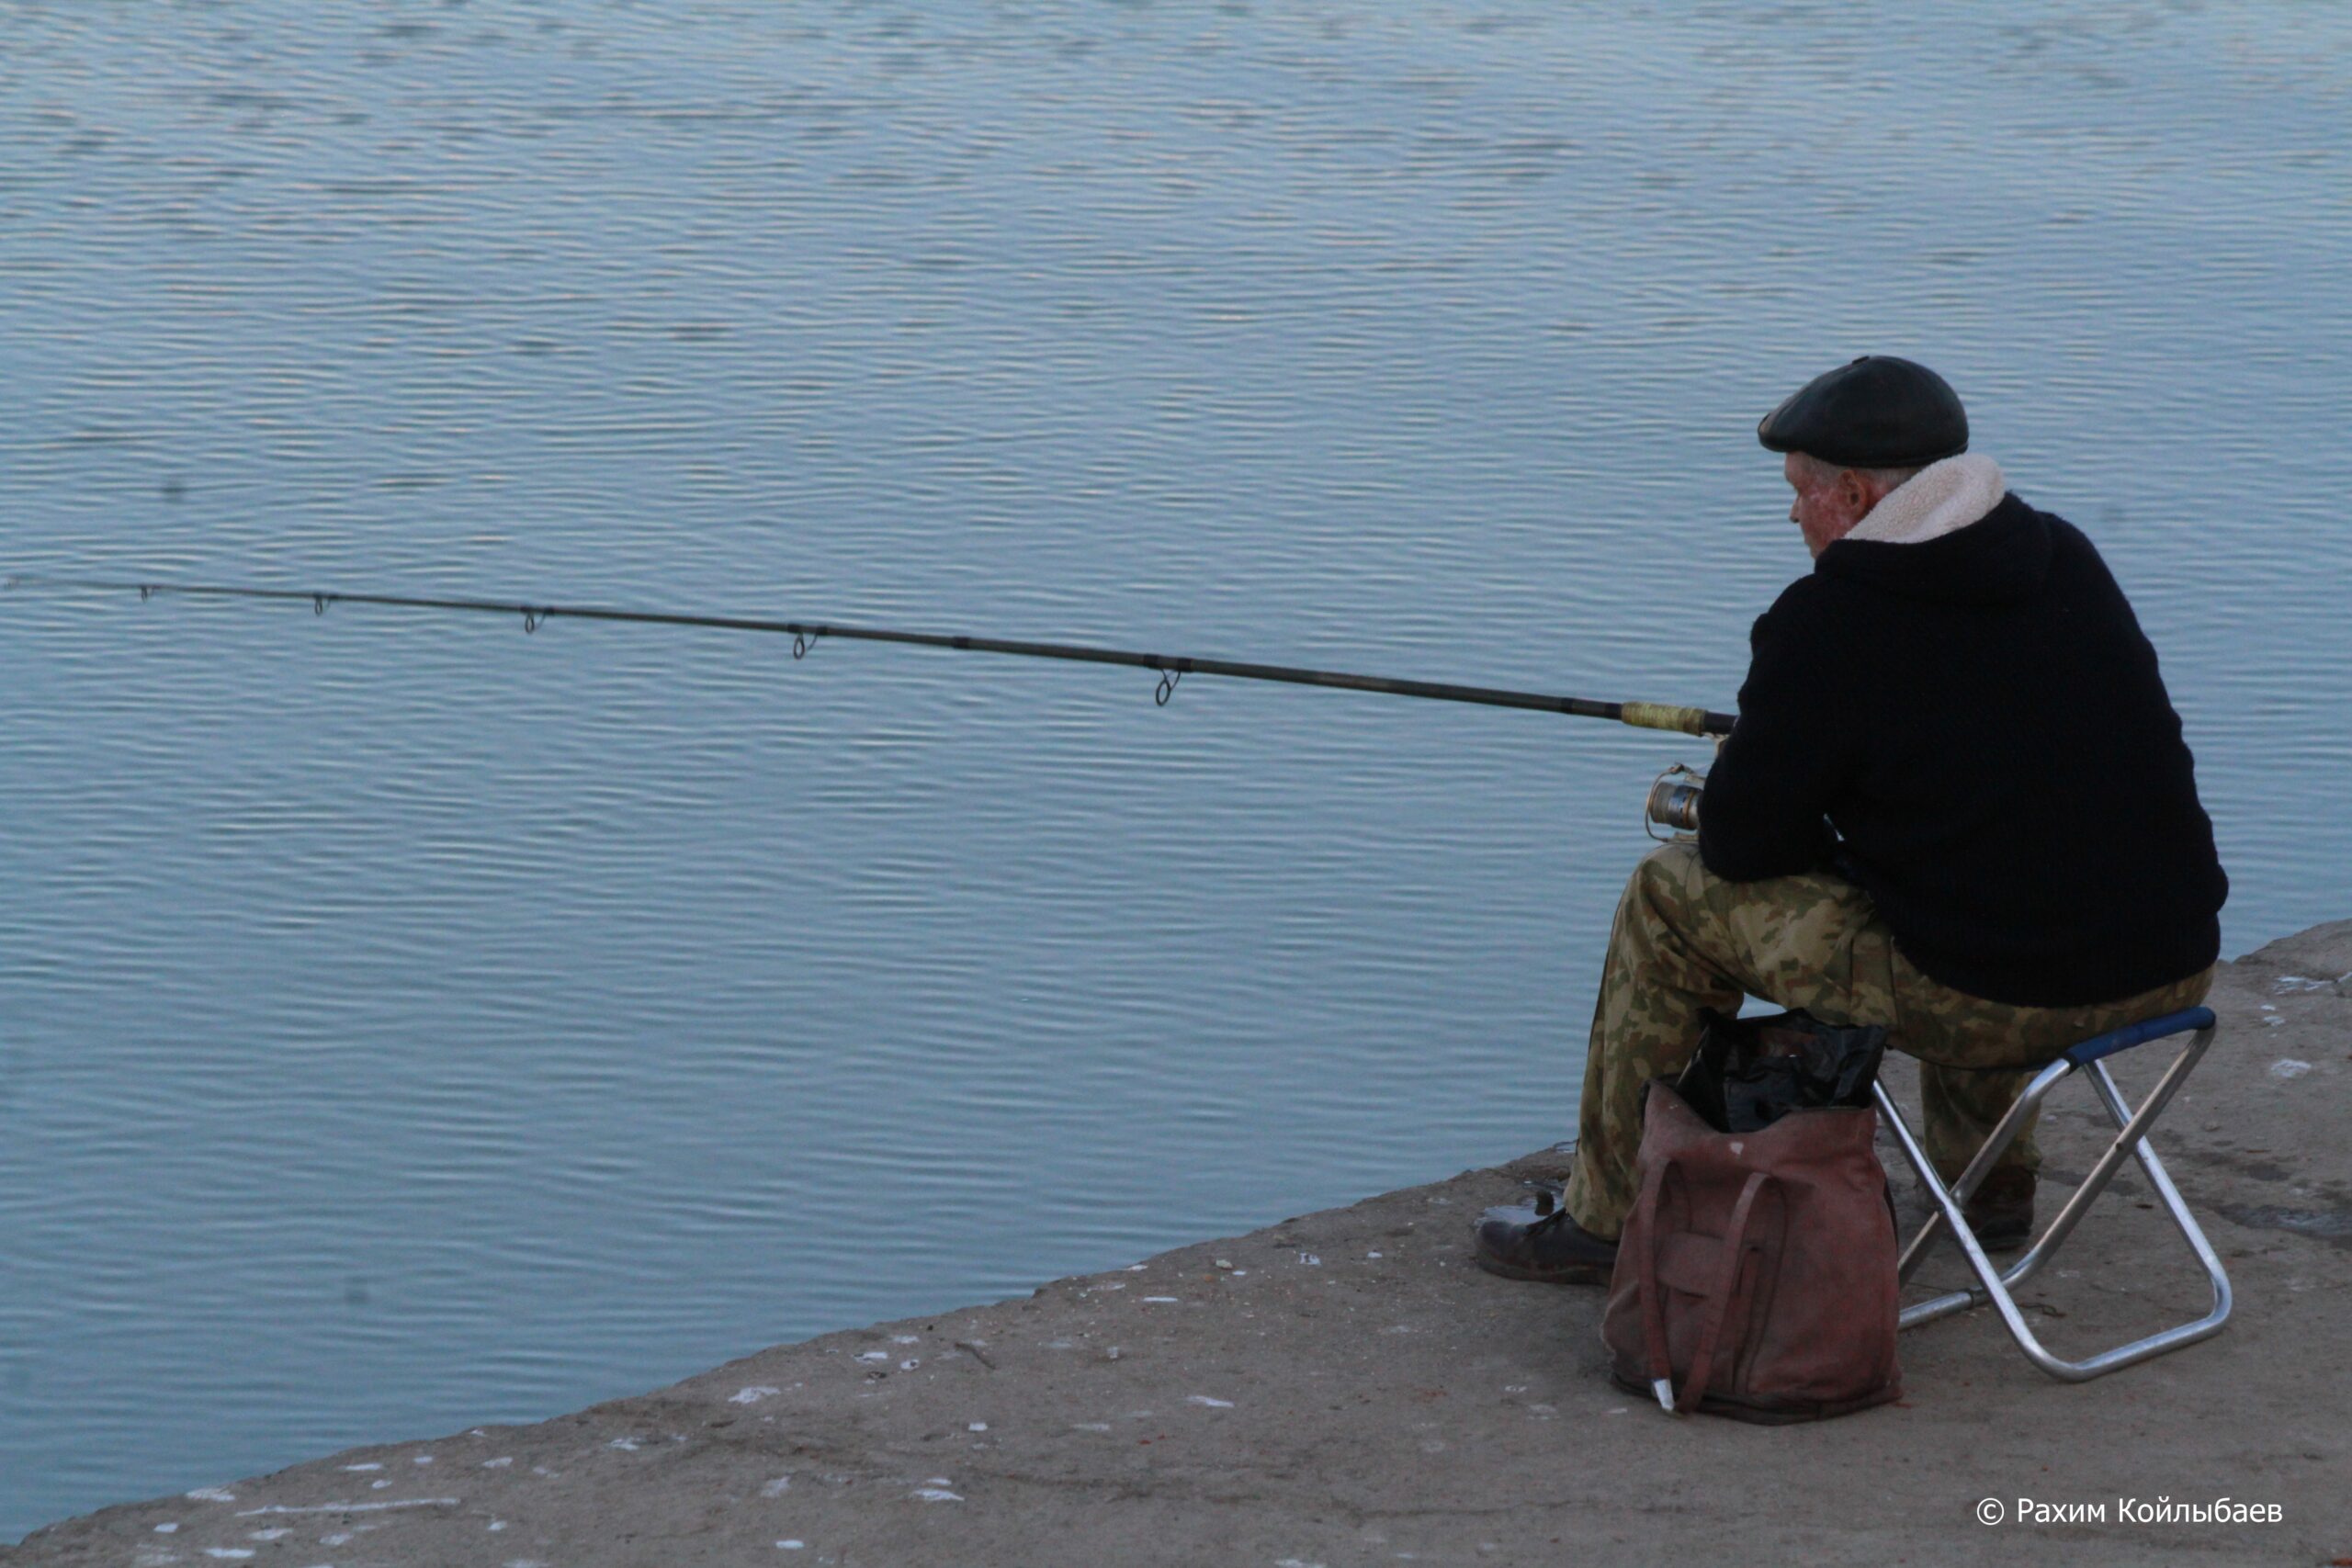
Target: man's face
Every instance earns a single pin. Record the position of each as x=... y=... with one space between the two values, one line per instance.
x=1828 y=502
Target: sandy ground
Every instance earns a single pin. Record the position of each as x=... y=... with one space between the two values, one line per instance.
x=1345 y=1388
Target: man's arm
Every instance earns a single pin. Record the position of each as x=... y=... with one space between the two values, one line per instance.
x=1795 y=750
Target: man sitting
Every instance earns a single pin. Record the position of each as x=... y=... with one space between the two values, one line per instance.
x=1956 y=802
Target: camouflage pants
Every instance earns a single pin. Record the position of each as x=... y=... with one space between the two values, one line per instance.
x=1686 y=939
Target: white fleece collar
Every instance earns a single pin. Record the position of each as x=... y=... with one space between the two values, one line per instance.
x=1941 y=499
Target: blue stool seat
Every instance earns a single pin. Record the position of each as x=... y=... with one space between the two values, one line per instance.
x=1994 y=1285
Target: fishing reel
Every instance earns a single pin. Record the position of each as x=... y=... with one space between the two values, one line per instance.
x=1674 y=804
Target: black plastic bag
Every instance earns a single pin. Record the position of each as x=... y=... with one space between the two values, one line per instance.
x=1750 y=1072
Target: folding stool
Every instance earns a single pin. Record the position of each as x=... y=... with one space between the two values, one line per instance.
x=1994 y=1285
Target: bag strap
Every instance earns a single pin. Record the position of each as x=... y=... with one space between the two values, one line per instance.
x=1733 y=1285
x=1645 y=1278
x=1734 y=1282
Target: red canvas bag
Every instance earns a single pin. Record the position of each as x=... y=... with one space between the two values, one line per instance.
x=1756 y=1276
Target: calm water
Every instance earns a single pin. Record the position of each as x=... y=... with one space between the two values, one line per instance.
x=406 y=1024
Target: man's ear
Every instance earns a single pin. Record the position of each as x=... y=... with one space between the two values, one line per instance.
x=1853 y=491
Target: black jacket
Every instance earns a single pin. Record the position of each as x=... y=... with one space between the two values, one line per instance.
x=1981 y=719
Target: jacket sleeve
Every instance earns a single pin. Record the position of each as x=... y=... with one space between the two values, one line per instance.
x=1796 y=748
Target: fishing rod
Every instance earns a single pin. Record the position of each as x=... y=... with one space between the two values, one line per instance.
x=805 y=635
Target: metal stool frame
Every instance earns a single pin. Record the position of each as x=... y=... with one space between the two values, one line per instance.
x=1994 y=1285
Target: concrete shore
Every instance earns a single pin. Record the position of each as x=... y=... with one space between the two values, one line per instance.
x=1345 y=1388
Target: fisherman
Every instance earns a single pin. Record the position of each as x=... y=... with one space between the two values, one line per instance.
x=1956 y=802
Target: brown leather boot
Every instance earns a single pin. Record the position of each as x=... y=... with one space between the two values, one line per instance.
x=1519 y=1244
x=2001 y=1209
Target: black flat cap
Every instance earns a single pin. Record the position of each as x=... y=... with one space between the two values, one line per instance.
x=1877 y=412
